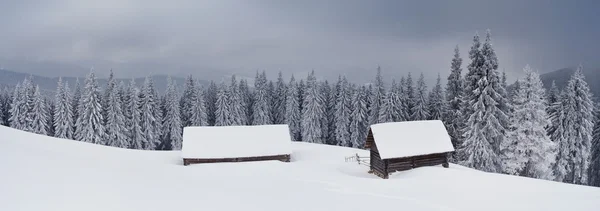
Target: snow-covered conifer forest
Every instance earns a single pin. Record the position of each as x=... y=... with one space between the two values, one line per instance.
x=532 y=132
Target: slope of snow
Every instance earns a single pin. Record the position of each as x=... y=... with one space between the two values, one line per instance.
x=410 y=138
x=236 y=141
x=42 y=173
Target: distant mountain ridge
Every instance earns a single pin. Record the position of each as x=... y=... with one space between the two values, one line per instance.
x=48 y=84
x=562 y=76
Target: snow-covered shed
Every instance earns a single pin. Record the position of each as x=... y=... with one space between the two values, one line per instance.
x=399 y=146
x=213 y=144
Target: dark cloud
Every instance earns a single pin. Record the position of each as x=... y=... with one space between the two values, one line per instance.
x=139 y=37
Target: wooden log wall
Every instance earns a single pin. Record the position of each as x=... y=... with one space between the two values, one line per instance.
x=378 y=166
x=402 y=164
x=282 y=158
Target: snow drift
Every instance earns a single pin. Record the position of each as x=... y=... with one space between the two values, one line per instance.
x=43 y=173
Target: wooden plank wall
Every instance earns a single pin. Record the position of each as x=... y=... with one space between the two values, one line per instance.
x=378 y=166
x=282 y=158
x=402 y=164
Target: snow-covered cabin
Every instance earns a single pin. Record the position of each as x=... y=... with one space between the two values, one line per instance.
x=399 y=146
x=213 y=144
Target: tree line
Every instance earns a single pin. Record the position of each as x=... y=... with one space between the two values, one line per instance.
x=528 y=131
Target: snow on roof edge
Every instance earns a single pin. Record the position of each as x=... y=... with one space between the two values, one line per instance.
x=411 y=138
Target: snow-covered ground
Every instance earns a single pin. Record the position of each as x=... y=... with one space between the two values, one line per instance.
x=42 y=173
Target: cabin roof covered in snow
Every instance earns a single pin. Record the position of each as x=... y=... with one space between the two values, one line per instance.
x=236 y=141
x=411 y=138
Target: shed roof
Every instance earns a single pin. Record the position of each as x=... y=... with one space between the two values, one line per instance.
x=236 y=141
x=411 y=138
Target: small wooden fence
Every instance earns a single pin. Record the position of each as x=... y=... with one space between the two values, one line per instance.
x=361 y=160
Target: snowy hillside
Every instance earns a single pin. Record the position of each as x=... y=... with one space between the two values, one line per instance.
x=42 y=173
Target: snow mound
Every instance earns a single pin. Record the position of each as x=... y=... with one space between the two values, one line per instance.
x=44 y=173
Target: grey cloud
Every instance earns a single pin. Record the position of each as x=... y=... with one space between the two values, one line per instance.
x=203 y=37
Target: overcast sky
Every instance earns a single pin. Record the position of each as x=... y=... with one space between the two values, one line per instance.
x=140 y=37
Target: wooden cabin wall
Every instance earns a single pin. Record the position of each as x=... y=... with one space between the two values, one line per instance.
x=402 y=164
x=378 y=166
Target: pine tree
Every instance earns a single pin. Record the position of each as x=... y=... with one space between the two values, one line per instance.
x=419 y=111
x=574 y=134
x=553 y=108
x=134 y=120
x=116 y=132
x=247 y=101
x=595 y=152
x=187 y=98
x=50 y=105
x=436 y=104
x=377 y=97
x=261 y=108
x=342 y=115
x=358 y=125
x=211 y=100
x=110 y=86
x=18 y=109
x=63 y=112
x=328 y=119
x=402 y=106
x=484 y=130
x=75 y=103
x=279 y=97
x=3 y=105
x=527 y=150
x=39 y=122
x=312 y=111
x=410 y=94
x=90 y=127
x=150 y=118
x=292 y=110
x=454 y=98
x=399 y=109
x=222 y=115
x=236 y=110
x=388 y=109
x=172 y=126
x=199 y=116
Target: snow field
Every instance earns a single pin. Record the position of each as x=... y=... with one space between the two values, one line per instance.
x=44 y=173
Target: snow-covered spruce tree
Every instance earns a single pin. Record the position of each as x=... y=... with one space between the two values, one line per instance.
x=187 y=98
x=116 y=130
x=420 y=111
x=377 y=97
x=484 y=129
x=553 y=108
x=247 y=100
x=279 y=96
x=292 y=109
x=327 y=123
x=436 y=104
x=222 y=114
x=312 y=111
x=342 y=115
x=410 y=94
x=172 y=117
x=63 y=112
x=122 y=92
x=199 y=116
x=302 y=93
x=236 y=109
x=452 y=117
x=75 y=101
x=387 y=111
x=89 y=126
x=270 y=99
x=399 y=105
x=150 y=116
x=402 y=107
x=574 y=134
x=18 y=109
x=359 y=123
x=527 y=150
x=261 y=108
x=39 y=123
x=134 y=120
x=211 y=100
x=111 y=84
x=594 y=174
x=3 y=105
